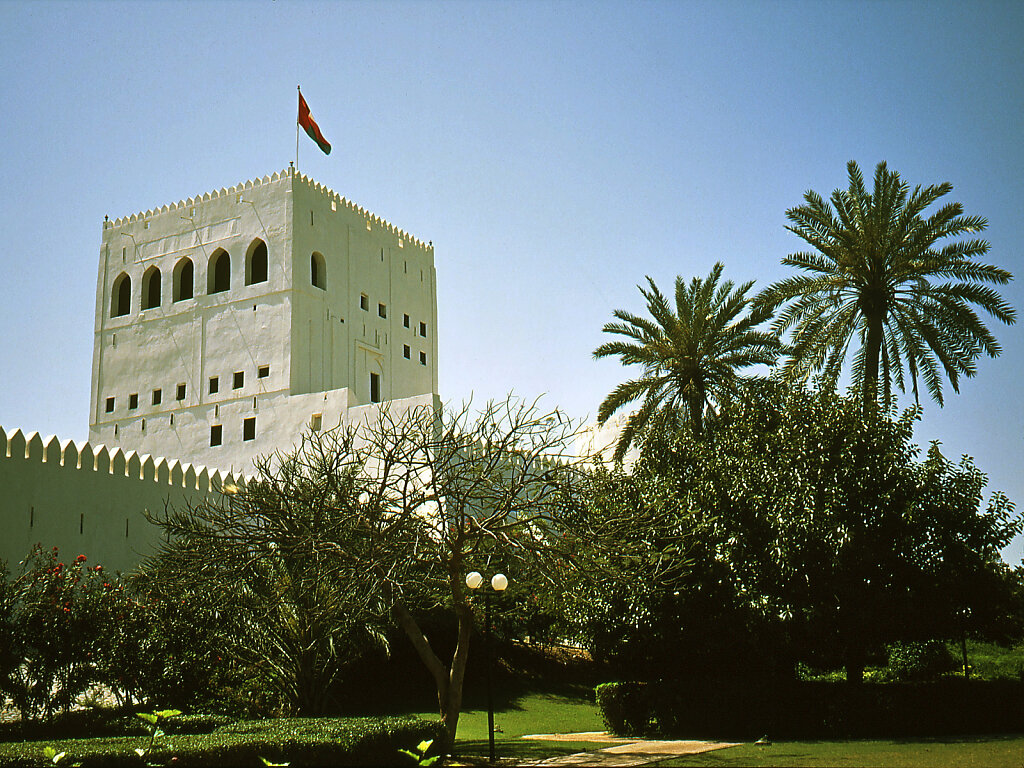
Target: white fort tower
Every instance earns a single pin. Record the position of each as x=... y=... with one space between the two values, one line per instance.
x=229 y=323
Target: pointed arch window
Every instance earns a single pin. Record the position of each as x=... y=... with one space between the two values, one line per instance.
x=184 y=277
x=256 y=263
x=151 y=288
x=121 y=296
x=318 y=271
x=219 y=278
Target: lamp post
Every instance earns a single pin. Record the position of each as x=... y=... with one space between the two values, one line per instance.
x=965 y=614
x=499 y=583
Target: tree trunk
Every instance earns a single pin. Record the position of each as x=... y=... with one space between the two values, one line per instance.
x=448 y=680
x=872 y=356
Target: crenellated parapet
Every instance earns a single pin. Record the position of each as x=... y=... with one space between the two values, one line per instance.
x=204 y=198
x=227 y=192
x=84 y=457
x=371 y=218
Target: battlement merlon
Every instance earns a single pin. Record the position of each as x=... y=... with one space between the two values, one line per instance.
x=185 y=209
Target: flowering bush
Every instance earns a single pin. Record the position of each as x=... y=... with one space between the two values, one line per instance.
x=55 y=613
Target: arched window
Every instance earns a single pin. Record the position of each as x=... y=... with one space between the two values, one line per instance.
x=121 y=296
x=318 y=271
x=256 y=263
x=219 y=277
x=151 y=288
x=184 y=274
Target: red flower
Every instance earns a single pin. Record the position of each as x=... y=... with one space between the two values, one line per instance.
x=98 y=568
x=81 y=559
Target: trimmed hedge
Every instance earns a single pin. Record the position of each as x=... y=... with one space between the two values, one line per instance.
x=301 y=741
x=98 y=722
x=809 y=710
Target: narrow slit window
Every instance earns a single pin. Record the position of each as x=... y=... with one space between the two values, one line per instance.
x=374 y=387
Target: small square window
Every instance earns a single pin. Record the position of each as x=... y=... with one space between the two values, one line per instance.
x=364 y=303
x=110 y=405
x=133 y=401
x=382 y=310
x=423 y=358
x=238 y=381
x=214 y=385
x=158 y=395
x=262 y=372
x=181 y=392
x=249 y=428
x=406 y=352
x=405 y=320
x=216 y=432
x=423 y=330
x=316 y=422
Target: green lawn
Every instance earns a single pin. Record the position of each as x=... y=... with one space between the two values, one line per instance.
x=530 y=713
x=967 y=752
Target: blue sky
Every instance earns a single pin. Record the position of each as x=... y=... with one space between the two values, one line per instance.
x=555 y=153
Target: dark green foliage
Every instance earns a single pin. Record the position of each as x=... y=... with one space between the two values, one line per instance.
x=879 y=274
x=833 y=537
x=357 y=741
x=625 y=708
x=805 y=710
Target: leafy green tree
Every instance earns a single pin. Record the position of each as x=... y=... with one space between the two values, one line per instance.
x=824 y=519
x=879 y=274
x=691 y=353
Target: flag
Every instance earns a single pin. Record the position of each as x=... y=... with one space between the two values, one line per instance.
x=310 y=127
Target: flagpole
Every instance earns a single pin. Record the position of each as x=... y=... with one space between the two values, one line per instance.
x=299 y=88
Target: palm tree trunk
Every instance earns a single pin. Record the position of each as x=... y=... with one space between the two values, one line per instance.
x=872 y=356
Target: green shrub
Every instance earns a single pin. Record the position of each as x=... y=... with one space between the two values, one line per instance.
x=625 y=707
x=301 y=741
x=919 y=661
x=744 y=709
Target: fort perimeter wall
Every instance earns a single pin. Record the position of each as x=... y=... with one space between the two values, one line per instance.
x=89 y=500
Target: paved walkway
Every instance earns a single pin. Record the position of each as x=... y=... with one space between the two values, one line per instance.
x=624 y=752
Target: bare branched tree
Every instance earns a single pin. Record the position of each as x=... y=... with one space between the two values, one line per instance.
x=382 y=520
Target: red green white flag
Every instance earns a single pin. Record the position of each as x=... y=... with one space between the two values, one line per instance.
x=310 y=127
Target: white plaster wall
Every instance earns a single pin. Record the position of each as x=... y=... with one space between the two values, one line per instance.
x=86 y=500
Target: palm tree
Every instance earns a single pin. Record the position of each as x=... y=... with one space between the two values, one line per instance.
x=690 y=356
x=878 y=272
